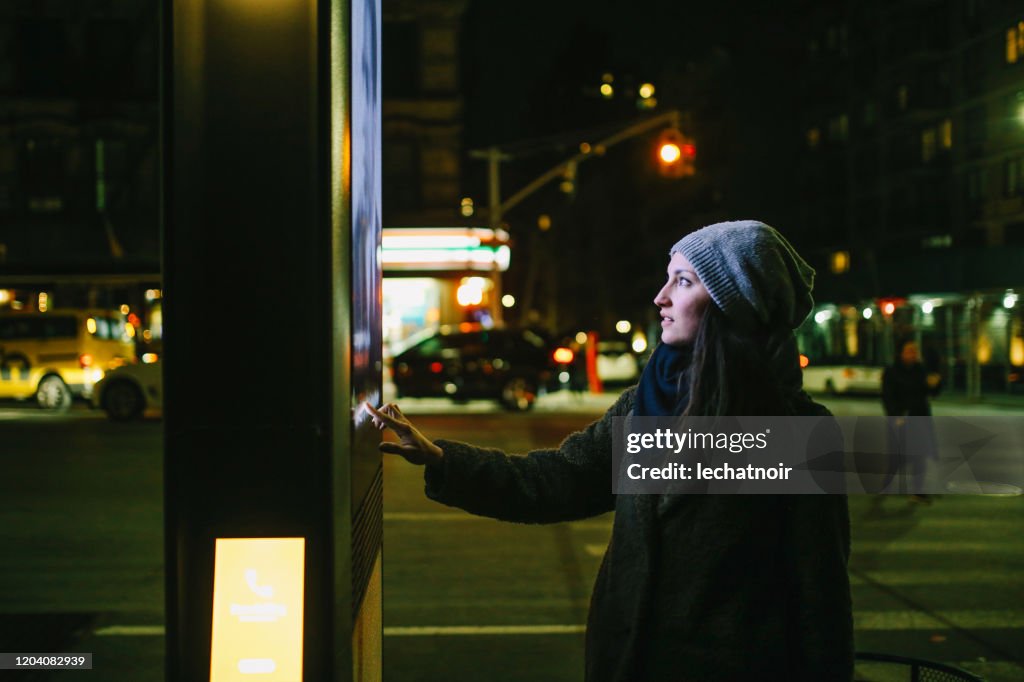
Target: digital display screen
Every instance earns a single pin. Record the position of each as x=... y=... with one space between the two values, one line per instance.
x=257 y=609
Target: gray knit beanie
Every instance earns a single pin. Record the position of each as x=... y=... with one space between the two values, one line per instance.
x=752 y=273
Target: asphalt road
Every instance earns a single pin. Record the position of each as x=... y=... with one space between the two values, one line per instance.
x=464 y=598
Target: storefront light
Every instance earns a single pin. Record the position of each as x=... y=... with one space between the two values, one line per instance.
x=429 y=242
x=480 y=258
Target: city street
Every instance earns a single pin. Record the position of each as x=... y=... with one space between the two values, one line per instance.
x=465 y=599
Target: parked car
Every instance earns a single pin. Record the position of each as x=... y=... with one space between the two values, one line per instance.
x=128 y=392
x=512 y=366
x=837 y=379
x=59 y=355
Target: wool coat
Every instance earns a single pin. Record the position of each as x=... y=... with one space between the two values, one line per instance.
x=692 y=587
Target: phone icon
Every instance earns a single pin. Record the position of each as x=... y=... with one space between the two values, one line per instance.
x=265 y=591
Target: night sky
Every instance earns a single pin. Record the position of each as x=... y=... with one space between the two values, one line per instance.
x=531 y=70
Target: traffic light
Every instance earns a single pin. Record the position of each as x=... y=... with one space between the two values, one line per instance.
x=676 y=154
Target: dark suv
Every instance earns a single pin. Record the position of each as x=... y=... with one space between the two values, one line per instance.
x=507 y=365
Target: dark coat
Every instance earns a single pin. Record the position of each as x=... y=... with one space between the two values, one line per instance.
x=699 y=587
x=905 y=390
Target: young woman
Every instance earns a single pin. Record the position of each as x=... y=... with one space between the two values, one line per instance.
x=692 y=587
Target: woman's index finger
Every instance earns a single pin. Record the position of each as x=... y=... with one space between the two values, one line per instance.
x=386 y=418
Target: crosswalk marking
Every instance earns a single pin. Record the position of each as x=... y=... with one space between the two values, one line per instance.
x=430 y=517
x=466 y=630
x=934 y=546
x=944 y=577
x=131 y=631
x=862 y=621
x=966 y=619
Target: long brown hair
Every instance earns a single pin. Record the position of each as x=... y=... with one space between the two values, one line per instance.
x=737 y=373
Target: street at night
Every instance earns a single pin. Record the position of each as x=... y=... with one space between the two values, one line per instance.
x=466 y=598
x=280 y=281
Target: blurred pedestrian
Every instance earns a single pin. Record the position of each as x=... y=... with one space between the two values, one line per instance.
x=692 y=587
x=906 y=387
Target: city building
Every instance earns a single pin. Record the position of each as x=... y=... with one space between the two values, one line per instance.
x=422 y=112
x=79 y=136
x=79 y=155
x=910 y=166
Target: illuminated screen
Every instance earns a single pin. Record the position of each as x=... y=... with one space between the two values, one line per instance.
x=257 y=610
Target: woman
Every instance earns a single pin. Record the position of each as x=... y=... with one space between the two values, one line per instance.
x=692 y=587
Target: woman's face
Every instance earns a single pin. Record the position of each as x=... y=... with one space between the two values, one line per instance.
x=682 y=302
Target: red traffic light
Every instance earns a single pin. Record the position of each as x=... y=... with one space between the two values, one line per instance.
x=676 y=154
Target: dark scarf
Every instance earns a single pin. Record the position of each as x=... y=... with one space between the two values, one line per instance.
x=659 y=393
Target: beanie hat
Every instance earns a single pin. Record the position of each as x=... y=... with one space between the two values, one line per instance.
x=752 y=273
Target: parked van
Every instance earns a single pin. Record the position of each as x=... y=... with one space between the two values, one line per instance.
x=55 y=356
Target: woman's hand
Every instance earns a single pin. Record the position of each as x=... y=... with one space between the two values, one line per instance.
x=412 y=444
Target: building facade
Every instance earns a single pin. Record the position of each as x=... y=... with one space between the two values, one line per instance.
x=79 y=135
x=910 y=164
x=422 y=112
x=912 y=133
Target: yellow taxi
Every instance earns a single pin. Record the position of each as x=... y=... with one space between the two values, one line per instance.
x=59 y=355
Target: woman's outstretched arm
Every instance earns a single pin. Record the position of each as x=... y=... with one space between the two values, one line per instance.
x=570 y=482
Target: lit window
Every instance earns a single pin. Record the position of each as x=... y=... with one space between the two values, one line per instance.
x=840 y=262
x=928 y=144
x=946 y=133
x=1015 y=43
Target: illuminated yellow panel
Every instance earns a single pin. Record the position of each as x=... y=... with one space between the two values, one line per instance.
x=257 y=610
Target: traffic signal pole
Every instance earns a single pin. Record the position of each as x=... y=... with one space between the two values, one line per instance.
x=669 y=118
x=495 y=215
x=494 y=156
